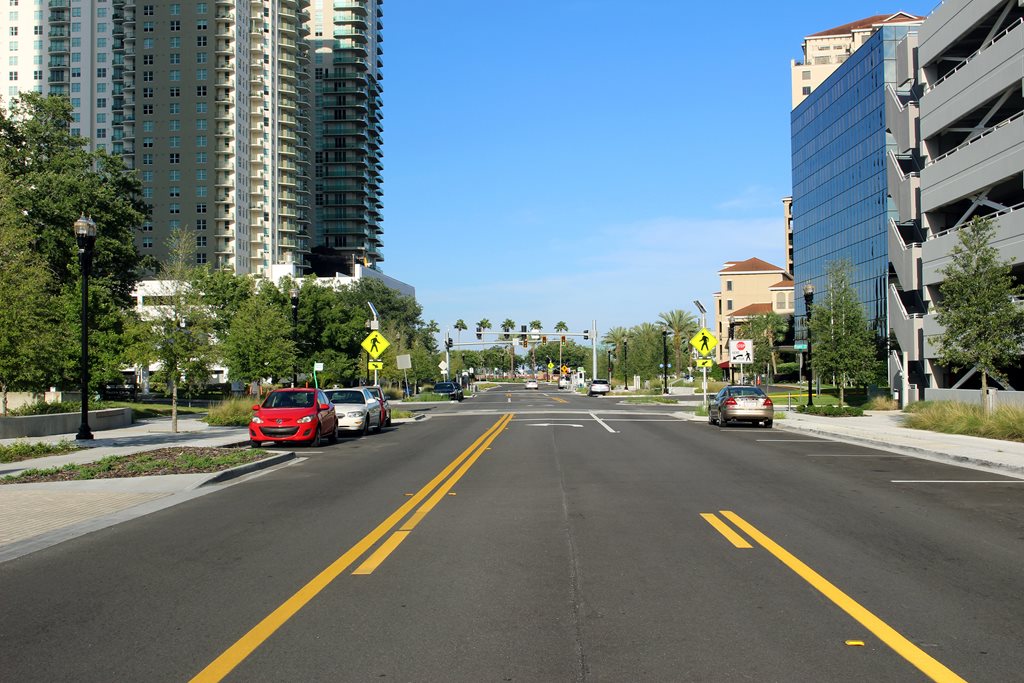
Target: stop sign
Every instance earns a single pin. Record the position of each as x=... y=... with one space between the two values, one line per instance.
x=741 y=345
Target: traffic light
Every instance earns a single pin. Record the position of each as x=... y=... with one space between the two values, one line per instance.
x=526 y=344
x=563 y=338
x=479 y=333
x=586 y=334
x=448 y=342
x=544 y=339
x=522 y=335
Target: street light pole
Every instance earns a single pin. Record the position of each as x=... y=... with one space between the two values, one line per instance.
x=294 y=293
x=664 y=361
x=808 y=302
x=625 y=363
x=85 y=233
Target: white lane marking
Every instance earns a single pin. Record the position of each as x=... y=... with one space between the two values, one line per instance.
x=603 y=423
x=958 y=481
x=550 y=424
x=626 y=419
x=798 y=440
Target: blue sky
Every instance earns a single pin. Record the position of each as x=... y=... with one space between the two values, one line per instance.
x=587 y=159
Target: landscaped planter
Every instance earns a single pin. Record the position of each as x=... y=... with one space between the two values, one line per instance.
x=63 y=423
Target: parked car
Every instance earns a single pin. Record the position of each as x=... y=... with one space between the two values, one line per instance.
x=532 y=384
x=741 y=404
x=351 y=409
x=302 y=415
x=374 y=409
x=598 y=387
x=384 y=403
x=450 y=389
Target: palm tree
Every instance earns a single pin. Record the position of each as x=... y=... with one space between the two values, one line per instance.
x=560 y=326
x=682 y=325
x=535 y=325
x=484 y=324
x=615 y=338
x=507 y=326
x=459 y=326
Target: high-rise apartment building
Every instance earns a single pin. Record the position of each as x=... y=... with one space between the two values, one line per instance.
x=214 y=115
x=826 y=51
x=956 y=115
x=63 y=47
x=347 y=42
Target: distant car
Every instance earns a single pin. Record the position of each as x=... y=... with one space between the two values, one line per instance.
x=450 y=389
x=351 y=409
x=532 y=384
x=741 y=404
x=384 y=403
x=598 y=387
x=563 y=383
x=302 y=415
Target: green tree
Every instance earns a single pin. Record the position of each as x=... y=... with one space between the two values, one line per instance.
x=259 y=343
x=225 y=293
x=560 y=326
x=483 y=324
x=616 y=337
x=30 y=329
x=507 y=326
x=682 y=325
x=984 y=328
x=843 y=344
x=766 y=331
x=178 y=333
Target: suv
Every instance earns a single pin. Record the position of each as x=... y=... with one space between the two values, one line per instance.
x=598 y=387
x=450 y=389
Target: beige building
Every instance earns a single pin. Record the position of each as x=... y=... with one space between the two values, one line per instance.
x=826 y=50
x=787 y=218
x=748 y=289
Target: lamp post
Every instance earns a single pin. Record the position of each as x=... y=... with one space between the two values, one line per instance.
x=808 y=302
x=294 y=294
x=609 y=364
x=664 y=361
x=85 y=234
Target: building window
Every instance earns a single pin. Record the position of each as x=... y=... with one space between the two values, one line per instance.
x=148 y=26
x=806 y=90
x=174 y=157
x=147 y=76
x=174 y=207
x=200 y=224
x=147 y=226
x=147 y=159
x=175 y=58
x=147 y=242
x=147 y=92
x=200 y=240
x=174 y=142
x=200 y=41
x=806 y=75
x=147 y=142
x=200 y=259
x=200 y=208
x=147 y=110
x=174 y=92
x=200 y=91
x=728 y=304
x=175 y=191
x=728 y=285
x=147 y=60
x=147 y=10
x=175 y=24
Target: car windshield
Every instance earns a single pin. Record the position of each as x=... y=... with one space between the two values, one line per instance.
x=600 y=381
x=345 y=396
x=289 y=399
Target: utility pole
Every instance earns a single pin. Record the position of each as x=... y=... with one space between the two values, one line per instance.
x=593 y=349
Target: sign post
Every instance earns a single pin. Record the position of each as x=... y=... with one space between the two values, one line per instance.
x=375 y=344
x=704 y=342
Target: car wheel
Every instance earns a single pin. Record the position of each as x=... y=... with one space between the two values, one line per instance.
x=768 y=424
x=254 y=443
x=722 y=422
x=380 y=425
x=334 y=435
x=366 y=427
x=315 y=441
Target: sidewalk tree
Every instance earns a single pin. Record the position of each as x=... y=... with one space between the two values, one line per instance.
x=984 y=327
x=258 y=344
x=30 y=332
x=682 y=325
x=843 y=344
x=178 y=333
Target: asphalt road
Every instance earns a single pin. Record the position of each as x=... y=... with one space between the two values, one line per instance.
x=541 y=536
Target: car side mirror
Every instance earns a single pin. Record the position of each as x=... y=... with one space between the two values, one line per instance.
x=256 y=407
x=324 y=406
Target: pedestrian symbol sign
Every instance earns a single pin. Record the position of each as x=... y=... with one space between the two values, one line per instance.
x=704 y=342
x=375 y=344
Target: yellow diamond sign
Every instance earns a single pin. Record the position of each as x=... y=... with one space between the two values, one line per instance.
x=375 y=344
x=704 y=342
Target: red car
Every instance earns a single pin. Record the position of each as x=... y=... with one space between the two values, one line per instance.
x=303 y=415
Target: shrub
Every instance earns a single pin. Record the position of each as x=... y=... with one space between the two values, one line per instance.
x=234 y=412
x=950 y=417
x=830 y=411
x=881 y=403
x=23 y=450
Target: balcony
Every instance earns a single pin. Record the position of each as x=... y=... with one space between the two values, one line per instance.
x=904 y=187
x=982 y=161
x=904 y=325
x=901 y=117
x=945 y=25
x=1007 y=239
x=993 y=69
x=904 y=254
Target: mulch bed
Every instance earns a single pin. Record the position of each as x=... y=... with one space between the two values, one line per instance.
x=175 y=460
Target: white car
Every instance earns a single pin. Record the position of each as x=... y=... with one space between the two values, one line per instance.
x=598 y=387
x=532 y=384
x=354 y=410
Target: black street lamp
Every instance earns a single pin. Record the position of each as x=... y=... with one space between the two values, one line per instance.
x=808 y=302
x=609 y=364
x=294 y=293
x=664 y=363
x=85 y=233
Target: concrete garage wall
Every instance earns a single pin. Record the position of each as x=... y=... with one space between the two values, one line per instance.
x=64 y=423
x=999 y=398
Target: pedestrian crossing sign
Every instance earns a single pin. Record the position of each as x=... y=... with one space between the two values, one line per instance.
x=375 y=344
x=705 y=363
x=704 y=342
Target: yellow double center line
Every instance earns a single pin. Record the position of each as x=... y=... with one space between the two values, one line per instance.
x=439 y=486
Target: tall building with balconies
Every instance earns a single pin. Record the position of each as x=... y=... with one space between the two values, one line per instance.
x=958 y=110
x=60 y=47
x=214 y=116
x=347 y=43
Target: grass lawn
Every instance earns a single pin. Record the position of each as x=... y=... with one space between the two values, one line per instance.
x=19 y=451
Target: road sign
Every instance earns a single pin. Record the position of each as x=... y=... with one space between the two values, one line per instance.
x=741 y=351
x=704 y=341
x=375 y=365
x=443 y=366
x=551 y=366
x=800 y=346
x=318 y=367
x=705 y=363
x=375 y=344
x=404 y=361
x=565 y=369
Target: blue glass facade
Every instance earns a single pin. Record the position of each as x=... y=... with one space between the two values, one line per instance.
x=841 y=207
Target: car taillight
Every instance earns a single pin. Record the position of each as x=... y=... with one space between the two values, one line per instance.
x=768 y=403
x=730 y=401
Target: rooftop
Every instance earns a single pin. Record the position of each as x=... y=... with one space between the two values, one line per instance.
x=868 y=23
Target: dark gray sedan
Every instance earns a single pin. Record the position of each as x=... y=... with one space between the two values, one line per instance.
x=737 y=403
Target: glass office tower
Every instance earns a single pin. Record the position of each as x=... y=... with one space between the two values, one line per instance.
x=841 y=208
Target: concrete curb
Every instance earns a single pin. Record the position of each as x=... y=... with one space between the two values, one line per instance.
x=248 y=467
